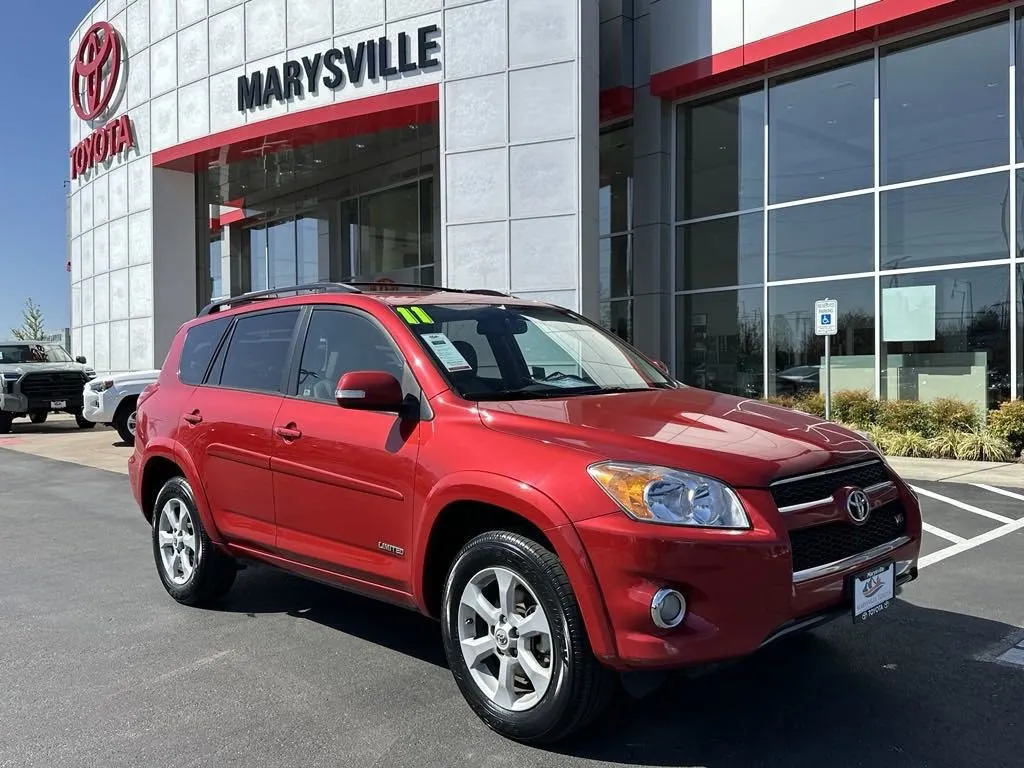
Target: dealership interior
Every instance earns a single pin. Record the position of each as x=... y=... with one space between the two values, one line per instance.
x=787 y=189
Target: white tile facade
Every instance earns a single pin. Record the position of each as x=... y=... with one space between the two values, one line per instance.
x=509 y=110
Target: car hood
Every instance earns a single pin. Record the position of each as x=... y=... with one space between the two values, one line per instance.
x=136 y=376
x=41 y=367
x=746 y=443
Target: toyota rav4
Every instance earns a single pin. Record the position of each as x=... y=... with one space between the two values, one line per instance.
x=565 y=508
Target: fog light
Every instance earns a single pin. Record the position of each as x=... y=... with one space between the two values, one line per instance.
x=668 y=608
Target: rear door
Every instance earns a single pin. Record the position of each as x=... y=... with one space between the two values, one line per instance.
x=343 y=479
x=227 y=424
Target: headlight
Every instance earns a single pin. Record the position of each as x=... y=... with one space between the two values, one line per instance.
x=661 y=495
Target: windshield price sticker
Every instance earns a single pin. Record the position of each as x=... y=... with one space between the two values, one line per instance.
x=447 y=352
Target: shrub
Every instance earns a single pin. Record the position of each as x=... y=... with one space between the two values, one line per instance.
x=906 y=416
x=1007 y=422
x=944 y=444
x=782 y=401
x=953 y=414
x=858 y=407
x=910 y=444
x=982 y=445
x=812 y=403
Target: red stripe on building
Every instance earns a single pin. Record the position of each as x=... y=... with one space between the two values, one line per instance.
x=835 y=34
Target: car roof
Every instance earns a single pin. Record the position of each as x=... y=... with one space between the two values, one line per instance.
x=359 y=293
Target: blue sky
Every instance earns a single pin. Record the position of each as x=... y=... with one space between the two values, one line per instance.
x=34 y=136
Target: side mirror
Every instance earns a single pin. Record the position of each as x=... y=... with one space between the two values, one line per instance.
x=369 y=391
x=81 y=360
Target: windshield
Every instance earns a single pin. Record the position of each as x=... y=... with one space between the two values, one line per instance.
x=13 y=354
x=496 y=352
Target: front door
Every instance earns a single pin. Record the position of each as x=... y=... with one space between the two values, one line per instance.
x=344 y=479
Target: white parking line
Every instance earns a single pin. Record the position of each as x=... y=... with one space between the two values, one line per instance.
x=1003 y=491
x=943 y=534
x=963 y=506
x=1003 y=530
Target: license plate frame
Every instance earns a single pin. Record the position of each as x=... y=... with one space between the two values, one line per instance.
x=873 y=591
x=58 y=405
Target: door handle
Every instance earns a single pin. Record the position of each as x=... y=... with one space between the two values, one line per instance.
x=193 y=418
x=288 y=433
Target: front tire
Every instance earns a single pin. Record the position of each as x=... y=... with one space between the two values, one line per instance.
x=191 y=568
x=82 y=422
x=516 y=643
x=6 y=420
x=38 y=417
x=124 y=422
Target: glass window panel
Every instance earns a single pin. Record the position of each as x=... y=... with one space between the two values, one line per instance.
x=307 y=238
x=1019 y=32
x=1019 y=277
x=258 y=259
x=720 y=252
x=947 y=334
x=281 y=253
x=258 y=351
x=345 y=261
x=620 y=319
x=796 y=355
x=389 y=232
x=945 y=105
x=428 y=213
x=831 y=238
x=721 y=151
x=944 y=223
x=719 y=343
x=615 y=267
x=821 y=133
x=615 y=201
x=217 y=248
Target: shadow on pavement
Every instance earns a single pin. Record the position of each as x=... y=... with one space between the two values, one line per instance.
x=260 y=589
x=906 y=689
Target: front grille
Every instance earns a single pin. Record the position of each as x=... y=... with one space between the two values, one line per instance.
x=823 y=544
x=820 y=486
x=57 y=385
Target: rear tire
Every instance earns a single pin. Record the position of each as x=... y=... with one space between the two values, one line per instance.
x=124 y=421
x=533 y=676
x=193 y=570
x=38 y=417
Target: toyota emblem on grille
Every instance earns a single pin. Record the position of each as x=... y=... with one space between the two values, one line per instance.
x=858 y=506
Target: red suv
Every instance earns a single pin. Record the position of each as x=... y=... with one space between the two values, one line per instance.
x=565 y=508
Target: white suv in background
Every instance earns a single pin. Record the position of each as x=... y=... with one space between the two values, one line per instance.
x=111 y=400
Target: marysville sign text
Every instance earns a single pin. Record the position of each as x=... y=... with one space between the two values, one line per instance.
x=371 y=60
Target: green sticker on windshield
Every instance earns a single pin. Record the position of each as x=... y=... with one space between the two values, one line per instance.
x=421 y=315
x=408 y=316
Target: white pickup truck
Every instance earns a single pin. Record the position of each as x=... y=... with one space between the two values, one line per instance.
x=111 y=400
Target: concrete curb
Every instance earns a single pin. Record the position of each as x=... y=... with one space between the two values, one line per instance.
x=950 y=471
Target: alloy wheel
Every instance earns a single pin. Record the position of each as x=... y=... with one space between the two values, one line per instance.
x=179 y=545
x=505 y=638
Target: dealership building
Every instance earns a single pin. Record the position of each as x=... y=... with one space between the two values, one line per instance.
x=694 y=174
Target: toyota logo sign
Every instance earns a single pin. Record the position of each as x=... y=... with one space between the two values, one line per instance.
x=858 y=506
x=95 y=71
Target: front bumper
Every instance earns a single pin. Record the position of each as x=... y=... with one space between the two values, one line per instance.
x=740 y=588
x=94 y=406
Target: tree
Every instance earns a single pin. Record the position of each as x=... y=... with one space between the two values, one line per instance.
x=32 y=325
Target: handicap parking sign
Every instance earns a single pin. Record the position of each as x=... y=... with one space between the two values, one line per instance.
x=825 y=312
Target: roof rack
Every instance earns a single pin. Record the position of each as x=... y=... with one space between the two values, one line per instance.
x=219 y=305
x=229 y=302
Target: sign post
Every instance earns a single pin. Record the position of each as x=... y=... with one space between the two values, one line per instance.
x=826 y=312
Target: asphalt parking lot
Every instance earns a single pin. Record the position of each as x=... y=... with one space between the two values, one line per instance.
x=100 y=667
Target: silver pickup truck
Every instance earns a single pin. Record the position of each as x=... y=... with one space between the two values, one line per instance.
x=38 y=378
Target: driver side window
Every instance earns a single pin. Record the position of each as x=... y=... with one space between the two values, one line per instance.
x=339 y=342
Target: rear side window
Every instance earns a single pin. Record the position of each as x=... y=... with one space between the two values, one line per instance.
x=257 y=353
x=200 y=345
